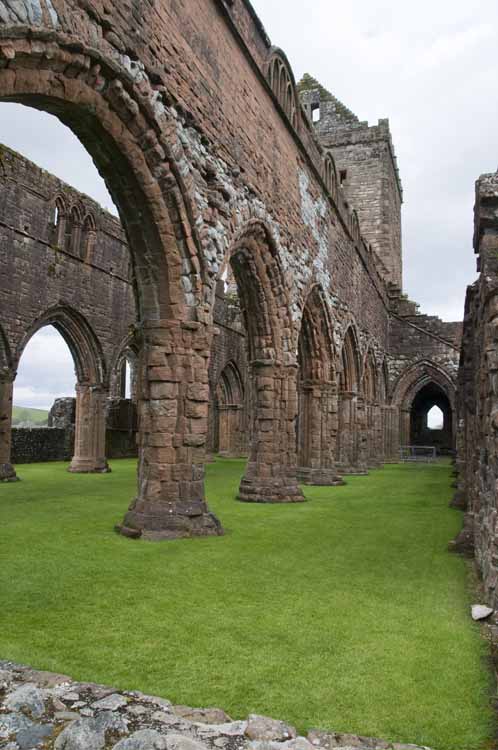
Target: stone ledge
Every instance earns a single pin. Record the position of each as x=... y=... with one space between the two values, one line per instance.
x=44 y=709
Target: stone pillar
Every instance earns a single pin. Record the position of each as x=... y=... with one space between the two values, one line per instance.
x=404 y=427
x=317 y=442
x=7 y=471
x=375 y=445
x=361 y=436
x=89 y=435
x=344 y=450
x=173 y=393
x=352 y=434
x=271 y=474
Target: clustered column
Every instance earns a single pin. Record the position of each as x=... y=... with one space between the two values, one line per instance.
x=352 y=438
x=271 y=474
x=89 y=438
x=318 y=426
x=173 y=396
x=7 y=471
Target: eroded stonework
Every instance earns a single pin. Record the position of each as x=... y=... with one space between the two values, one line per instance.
x=214 y=166
x=477 y=407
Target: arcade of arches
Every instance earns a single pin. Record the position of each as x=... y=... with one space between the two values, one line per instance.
x=311 y=360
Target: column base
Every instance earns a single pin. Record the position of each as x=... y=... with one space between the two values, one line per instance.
x=270 y=491
x=459 y=501
x=8 y=473
x=464 y=542
x=169 y=521
x=319 y=477
x=360 y=471
x=88 y=466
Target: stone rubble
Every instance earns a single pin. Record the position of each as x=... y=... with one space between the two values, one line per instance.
x=51 y=711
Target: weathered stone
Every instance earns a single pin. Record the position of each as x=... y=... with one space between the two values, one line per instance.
x=481 y=612
x=203 y=715
x=263 y=728
x=91 y=733
x=144 y=739
x=180 y=742
x=110 y=703
x=28 y=698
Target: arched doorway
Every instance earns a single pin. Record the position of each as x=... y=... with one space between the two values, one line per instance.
x=229 y=412
x=419 y=388
x=431 y=419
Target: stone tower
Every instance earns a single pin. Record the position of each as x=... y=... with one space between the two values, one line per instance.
x=367 y=171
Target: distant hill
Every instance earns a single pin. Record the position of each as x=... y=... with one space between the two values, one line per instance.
x=27 y=417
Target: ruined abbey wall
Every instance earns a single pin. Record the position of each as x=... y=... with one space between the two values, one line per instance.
x=477 y=407
x=52 y=267
x=194 y=120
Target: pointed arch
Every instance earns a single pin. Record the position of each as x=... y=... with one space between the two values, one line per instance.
x=89 y=361
x=355 y=226
x=262 y=292
x=88 y=238
x=415 y=377
x=283 y=85
x=350 y=362
x=370 y=381
x=330 y=175
x=126 y=352
x=316 y=343
x=229 y=405
x=59 y=218
x=420 y=386
x=230 y=388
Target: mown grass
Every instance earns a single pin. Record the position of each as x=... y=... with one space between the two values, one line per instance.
x=346 y=612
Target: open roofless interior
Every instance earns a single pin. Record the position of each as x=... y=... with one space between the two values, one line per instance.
x=205 y=343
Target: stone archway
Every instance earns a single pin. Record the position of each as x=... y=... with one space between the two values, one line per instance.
x=271 y=475
x=127 y=357
x=421 y=386
x=91 y=387
x=351 y=443
x=421 y=433
x=229 y=412
x=317 y=395
x=112 y=113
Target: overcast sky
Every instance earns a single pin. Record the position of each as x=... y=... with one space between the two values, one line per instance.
x=430 y=67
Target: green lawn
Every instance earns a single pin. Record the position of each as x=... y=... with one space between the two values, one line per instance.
x=346 y=612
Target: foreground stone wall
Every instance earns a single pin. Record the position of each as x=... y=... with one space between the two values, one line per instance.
x=51 y=710
x=477 y=407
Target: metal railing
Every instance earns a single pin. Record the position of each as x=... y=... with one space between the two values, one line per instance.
x=417 y=454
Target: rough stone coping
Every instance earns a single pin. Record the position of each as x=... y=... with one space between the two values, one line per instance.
x=51 y=711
